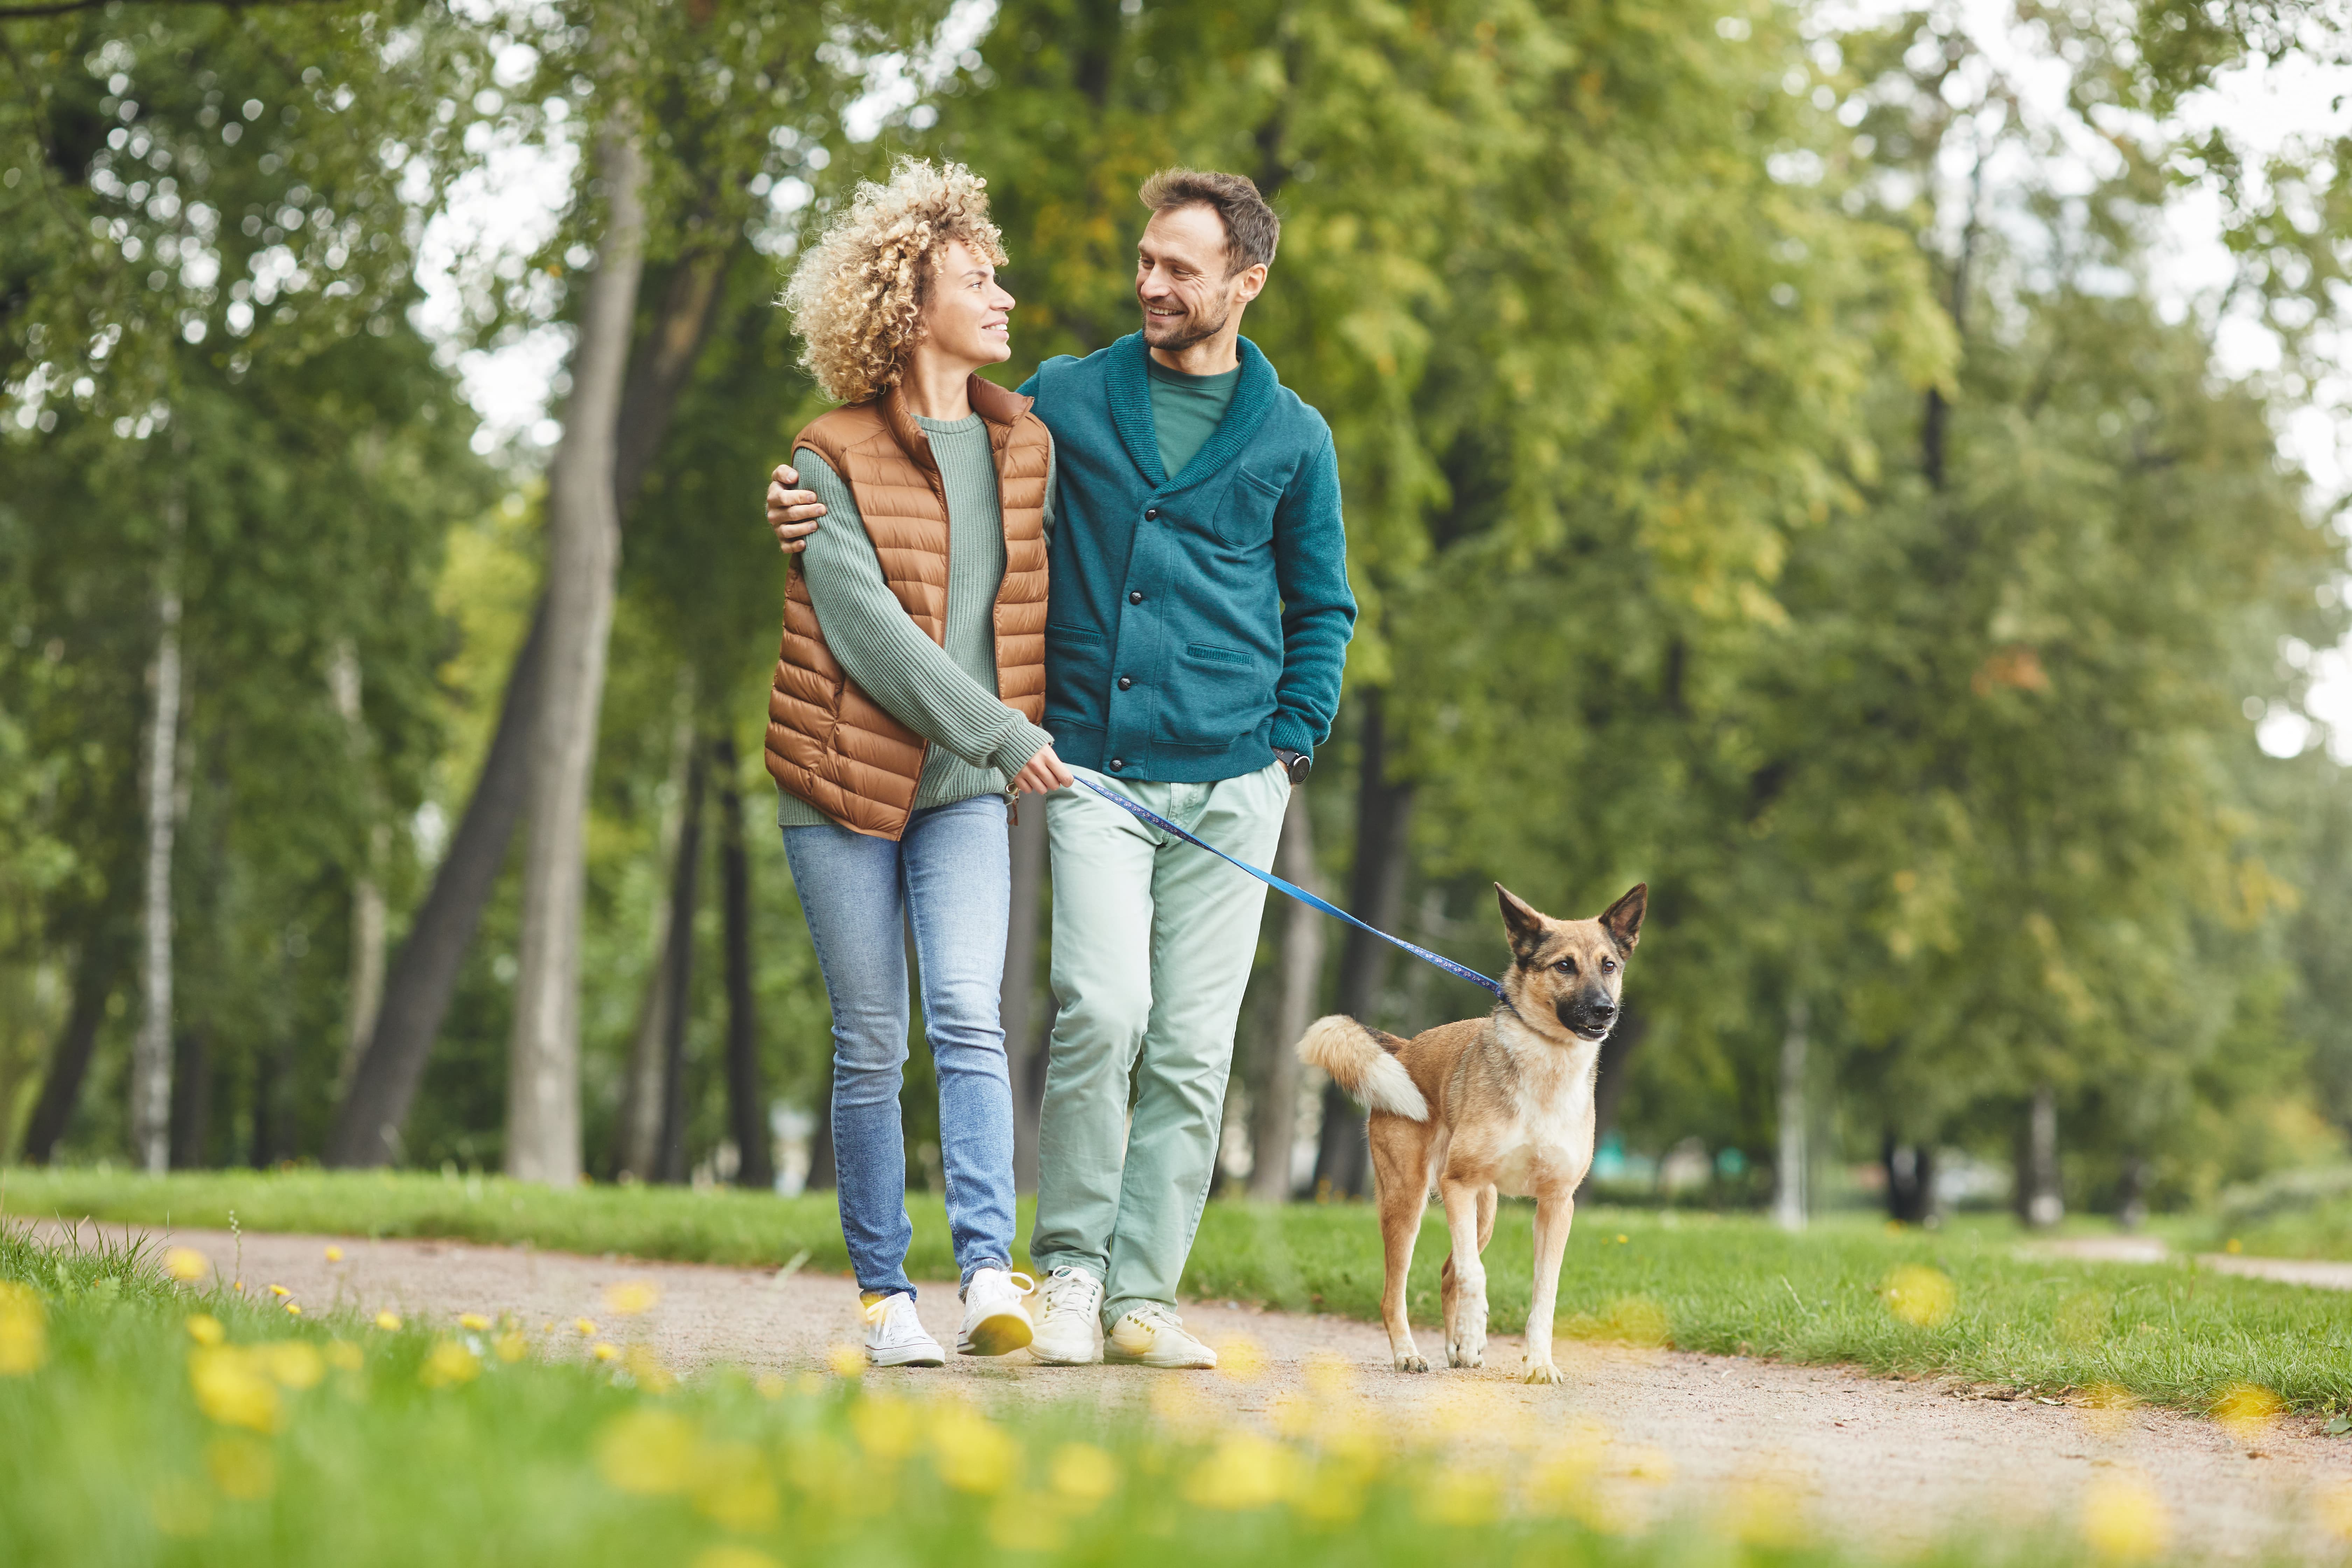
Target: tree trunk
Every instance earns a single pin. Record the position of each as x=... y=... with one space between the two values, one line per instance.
x=366 y=988
x=1273 y=1118
x=664 y=358
x=1376 y=894
x=637 y=1136
x=1025 y=1040
x=583 y=534
x=2039 y=1201
x=192 y=1100
x=268 y=1064
x=151 y=1053
x=95 y=969
x=1789 y=1160
x=747 y=1104
x=677 y=977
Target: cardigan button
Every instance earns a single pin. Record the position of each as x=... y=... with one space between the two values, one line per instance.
x=1125 y=681
x=1151 y=514
x=1135 y=597
x=1117 y=763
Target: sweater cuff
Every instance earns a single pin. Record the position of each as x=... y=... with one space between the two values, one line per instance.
x=1291 y=733
x=1019 y=743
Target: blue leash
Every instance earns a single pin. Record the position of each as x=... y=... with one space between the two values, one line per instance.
x=1460 y=971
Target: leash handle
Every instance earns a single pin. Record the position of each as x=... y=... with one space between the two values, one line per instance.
x=1460 y=971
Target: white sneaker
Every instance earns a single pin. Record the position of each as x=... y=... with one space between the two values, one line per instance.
x=1069 y=1331
x=995 y=1321
x=1153 y=1335
x=895 y=1337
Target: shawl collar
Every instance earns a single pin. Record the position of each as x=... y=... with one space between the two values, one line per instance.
x=1130 y=381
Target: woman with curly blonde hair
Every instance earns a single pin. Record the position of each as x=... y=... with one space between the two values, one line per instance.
x=904 y=714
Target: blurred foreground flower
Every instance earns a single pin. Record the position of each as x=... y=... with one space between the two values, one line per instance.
x=972 y=1453
x=584 y=1326
x=1920 y=1296
x=449 y=1365
x=2123 y=1519
x=1082 y=1474
x=885 y=1427
x=2107 y=1408
x=1244 y=1471
x=291 y=1363
x=23 y=1331
x=512 y=1346
x=281 y=1292
x=233 y=1387
x=733 y=1487
x=1633 y=1320
x=631 y=1297
x=334 y=1255
x=845 y=1360
x=472 y=1321
x=242 y=1468
x=648 y=1452
x=729 y=1555
x=2247 y=1410
x=1241 y=1359
x=205 y=1328
x=186 y=1264
x=388 y=1321
x=345 y=1356
x=1460 y=1496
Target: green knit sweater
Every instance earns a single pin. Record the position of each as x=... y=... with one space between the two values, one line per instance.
x=946 y=694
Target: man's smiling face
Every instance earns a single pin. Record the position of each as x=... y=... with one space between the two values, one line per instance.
x=1183 y=279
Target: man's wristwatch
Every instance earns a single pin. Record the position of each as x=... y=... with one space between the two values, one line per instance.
x=1296 y=764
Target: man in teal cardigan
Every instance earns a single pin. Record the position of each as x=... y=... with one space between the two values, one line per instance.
x=1196 y=633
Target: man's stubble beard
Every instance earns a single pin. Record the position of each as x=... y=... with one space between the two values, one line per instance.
x=1186 y=334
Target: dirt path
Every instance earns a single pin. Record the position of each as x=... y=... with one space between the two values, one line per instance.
x=2318 y=1273
x=1884 y=1462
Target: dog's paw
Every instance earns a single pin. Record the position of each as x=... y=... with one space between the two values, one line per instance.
x=1466 y=1354
x=1544 y=1372
x=1410 y=1361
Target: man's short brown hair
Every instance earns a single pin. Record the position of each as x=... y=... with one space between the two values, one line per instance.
x=1252 y=231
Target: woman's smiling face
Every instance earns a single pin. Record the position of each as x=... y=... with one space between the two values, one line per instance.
x=968 y=317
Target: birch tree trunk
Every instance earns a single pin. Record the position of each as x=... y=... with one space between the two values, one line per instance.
x=637 y=1138
x=1789 y=1160
x=1274 y=1119
x=582 y=551
x=367 y=888
x=2044 y=1204
x=151 y=1053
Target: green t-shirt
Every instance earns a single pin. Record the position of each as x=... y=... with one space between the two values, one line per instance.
x=1186 y=410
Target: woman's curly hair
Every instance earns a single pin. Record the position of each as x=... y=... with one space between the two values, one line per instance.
x=856 y=297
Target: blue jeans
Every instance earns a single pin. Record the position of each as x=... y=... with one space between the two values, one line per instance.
x=950 y=879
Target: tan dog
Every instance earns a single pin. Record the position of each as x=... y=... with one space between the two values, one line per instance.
x=1513 y=1114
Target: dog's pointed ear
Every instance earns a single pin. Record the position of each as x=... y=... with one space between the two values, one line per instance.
x=1622 y=920
x=1525 y=926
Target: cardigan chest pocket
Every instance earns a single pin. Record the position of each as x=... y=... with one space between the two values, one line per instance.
x=1244 y=520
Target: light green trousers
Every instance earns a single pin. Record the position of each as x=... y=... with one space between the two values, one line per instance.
x=1153 y=943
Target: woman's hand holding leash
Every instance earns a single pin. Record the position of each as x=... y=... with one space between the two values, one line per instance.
x=791 y=512
x=1042 y=774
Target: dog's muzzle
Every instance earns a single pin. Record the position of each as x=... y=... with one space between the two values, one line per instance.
x=1587 y=1021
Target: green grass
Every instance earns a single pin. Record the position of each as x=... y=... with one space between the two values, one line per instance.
x=2171 y=1333
x=126 y=1440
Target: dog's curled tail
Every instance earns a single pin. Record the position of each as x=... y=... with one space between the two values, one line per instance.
x=1358 y=1063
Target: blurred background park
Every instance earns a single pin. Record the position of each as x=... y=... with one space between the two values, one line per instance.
x=1872 y=475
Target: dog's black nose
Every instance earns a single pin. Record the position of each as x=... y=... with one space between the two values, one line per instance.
x=1604 y=1009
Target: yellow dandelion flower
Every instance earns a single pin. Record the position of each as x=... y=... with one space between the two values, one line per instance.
x=186 y=1264
x=291 y=1363
x=238 y=1287
x=1240 y=1358
x=242 y=1468
x=2247 y=1410
x=1244 y=1471
x=1083 y=1474
x=205 y=1328
x=293 y=1308
x=334 y=1255
x=771 y=1385
x=449 y=1365
x=845 y=1360
x=279 y=1290
x=1920 y=1296
x=23 y=1331
x=584 y=1326
x=1622 y=1238
x=729 y=1555
x=389 y=1321
x=885 y=1427
x=2232 y=1247
x=2334 y=1507
x=631 y=1297
x=604 y=1350
x=512 y=1346
x=2123 y=1520
x=233 y=1388
x=652 y=1453
x=472 y=1321
x=648 y=1369
x=344 y=1356
x=1329 y=1376
x=733 y=1487
x=1461 y=1497
x=972 y=1453
x=2107 y=1408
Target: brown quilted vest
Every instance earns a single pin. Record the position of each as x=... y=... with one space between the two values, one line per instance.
x=828 y=742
